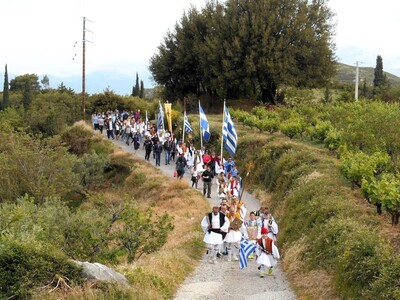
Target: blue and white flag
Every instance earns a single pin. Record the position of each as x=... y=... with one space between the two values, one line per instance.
x=246 y=248
x=205 y=127
x=229 y=133
x=160 y=119
x=186 y=124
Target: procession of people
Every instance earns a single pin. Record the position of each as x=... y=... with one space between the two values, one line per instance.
x=226 y=226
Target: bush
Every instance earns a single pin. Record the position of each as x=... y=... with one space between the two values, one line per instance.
x=387 y=285
x=293 y=127
x=26 y=267
x=361 y=263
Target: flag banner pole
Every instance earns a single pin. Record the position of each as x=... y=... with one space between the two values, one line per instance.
x=222 y=135
x=201 y=133
x=183 y=127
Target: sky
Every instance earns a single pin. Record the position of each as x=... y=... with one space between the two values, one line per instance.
x=44 y=37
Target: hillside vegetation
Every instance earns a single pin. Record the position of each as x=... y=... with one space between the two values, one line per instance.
x=335 y=243
x=347 y=74
x=67 y=194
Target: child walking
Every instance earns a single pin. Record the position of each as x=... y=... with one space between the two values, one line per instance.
x=194 y=176
x=267 y=253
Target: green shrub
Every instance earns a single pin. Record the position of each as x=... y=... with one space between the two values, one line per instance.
x=293 y=127
x=387 y=284
x=361 y=263
x=26 y=267
x=40 y=168
x=320 y=130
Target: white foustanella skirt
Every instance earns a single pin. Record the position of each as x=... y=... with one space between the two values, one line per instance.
x=213 y=238
x=233 y=236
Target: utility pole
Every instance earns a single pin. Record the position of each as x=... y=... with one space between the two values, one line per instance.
x=357 y=80
x=84 y=67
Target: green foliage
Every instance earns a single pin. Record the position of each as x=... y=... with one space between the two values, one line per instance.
x=333 y=139
x=82 y=140
x=320 y=130
x=387 y=285
x=6 y=95
x=24 y=268
x=384 y=190
x=361 y=263
x=25 y=82
x=237 y=48
x=293 y=127
x=40 y=168
x=337 y=236
x=295 y=97
x=106 y=101
x=309 y=207
x=141 y=235
x=358 y=165
x=12 y=119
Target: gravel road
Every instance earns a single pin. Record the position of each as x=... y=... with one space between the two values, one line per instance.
x=225 y=280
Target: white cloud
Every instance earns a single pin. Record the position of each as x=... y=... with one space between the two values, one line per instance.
x=366 y=29
x=39 y=36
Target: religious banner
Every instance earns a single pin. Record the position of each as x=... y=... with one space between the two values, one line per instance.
x=168 y=113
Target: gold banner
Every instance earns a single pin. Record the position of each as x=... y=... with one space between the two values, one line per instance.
x=168 y=112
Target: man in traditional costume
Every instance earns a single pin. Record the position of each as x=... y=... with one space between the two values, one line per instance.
x=267 y=253
x=234 y=234
x=215 y=225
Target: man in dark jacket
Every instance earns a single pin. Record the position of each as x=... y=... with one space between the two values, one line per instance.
x=148 y=146
x=158 y=148
x=181 y=163
x=207 y=177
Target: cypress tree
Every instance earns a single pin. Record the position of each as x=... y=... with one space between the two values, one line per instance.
x=141 y=94
x=137 y=88
x=379 y=78
x=6 y=96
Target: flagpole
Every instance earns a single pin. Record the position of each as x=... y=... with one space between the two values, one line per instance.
x=183 y=127
x=201 y=134
x=160 y=109
x=222 y=136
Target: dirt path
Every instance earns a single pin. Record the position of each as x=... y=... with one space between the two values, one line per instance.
x=225 y=280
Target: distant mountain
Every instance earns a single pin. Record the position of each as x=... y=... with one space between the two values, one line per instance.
x=347 y=73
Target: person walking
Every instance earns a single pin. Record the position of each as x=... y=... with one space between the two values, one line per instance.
x=181 y=163
x=148 y=146
x=158 y=148
x=207 y=177
x=215 y=225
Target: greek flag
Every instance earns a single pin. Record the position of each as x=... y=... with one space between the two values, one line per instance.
x=246 y=248
x=160 y=120
x=205 y=127
x=229 y=133
x=186 y=124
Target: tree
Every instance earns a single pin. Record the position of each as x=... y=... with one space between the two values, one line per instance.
x=27 y=95
x=136 y=88
x=45 y=82
x=380 y=80
x=19 y=83
x=6 y=96
x=141 y=94
x=245 y=48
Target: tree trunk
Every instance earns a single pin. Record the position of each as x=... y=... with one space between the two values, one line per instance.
x=268 y=96
x=395 y=217
x=379 y=208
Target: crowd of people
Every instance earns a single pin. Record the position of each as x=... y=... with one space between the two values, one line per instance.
x=226 y=225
